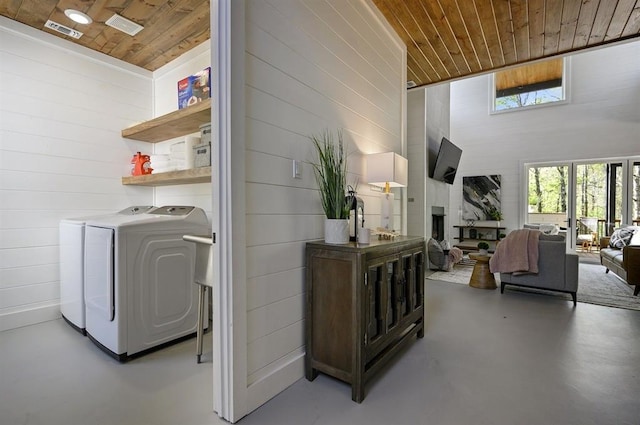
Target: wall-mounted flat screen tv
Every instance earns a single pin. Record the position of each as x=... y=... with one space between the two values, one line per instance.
x=447 y=161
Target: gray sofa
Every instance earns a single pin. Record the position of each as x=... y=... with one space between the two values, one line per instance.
x=557 y=269
x=624 y=262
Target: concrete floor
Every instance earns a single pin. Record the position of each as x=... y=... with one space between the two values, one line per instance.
x=486 y=358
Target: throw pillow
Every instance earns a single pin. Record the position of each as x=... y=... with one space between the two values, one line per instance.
x=635 y=239
x=621 y=237
x=436 y=255
x=549 y=229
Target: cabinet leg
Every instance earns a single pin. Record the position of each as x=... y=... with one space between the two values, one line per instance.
x=357 y=393
x=420 y=333
x=311 y=374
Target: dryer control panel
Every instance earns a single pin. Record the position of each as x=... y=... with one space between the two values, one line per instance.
x=173 y=210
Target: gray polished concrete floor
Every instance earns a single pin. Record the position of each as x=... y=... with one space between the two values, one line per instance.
x=486 y=358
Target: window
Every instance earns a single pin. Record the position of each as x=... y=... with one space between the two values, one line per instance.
x=529 y=86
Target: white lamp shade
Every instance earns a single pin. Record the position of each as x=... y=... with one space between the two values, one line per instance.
x=388 y=167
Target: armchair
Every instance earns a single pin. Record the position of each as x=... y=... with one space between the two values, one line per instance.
x=588 y=232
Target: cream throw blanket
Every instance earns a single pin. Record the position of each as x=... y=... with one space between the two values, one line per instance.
x=517 y=253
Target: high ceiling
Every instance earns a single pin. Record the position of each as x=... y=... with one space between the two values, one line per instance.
x=450 y=39
x=446 y=39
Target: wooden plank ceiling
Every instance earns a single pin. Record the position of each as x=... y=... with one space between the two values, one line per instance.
x=446 y=39
x=171 y=27
x=450 y=39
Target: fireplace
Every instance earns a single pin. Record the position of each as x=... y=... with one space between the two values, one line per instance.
x=437 y=223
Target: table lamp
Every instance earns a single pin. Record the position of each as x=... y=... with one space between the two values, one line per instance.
x=386 y=170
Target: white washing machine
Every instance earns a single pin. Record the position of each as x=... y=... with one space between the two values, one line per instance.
x=139 y=290
x=72 y=264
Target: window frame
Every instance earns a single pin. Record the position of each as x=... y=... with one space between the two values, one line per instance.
x=566 y=91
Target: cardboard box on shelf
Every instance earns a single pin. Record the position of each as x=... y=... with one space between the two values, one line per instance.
x=194 y=88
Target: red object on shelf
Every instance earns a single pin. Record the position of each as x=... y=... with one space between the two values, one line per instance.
x=141 y=165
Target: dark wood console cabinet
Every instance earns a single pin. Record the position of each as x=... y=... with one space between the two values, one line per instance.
x=363 y=304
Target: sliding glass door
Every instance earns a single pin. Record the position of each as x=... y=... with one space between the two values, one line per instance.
x=585 y=200
x=548 y=194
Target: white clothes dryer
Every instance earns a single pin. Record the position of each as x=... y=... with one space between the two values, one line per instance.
x=139 y=290
x=71 y=231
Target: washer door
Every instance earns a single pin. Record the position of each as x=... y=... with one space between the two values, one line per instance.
x=99 y=272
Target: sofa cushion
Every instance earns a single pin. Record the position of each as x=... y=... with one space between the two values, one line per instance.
x=554 y=238
x=621 y=237
x=612 y=254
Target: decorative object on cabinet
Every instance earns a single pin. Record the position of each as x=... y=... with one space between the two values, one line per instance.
x=330 y=170
x=483 y=248
x=363 y=305
x=175 y=124
x=387 y=170
x=480 y=197
x=356 y=215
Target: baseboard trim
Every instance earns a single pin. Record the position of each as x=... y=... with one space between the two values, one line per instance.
x=270 y=385
x=42 y=312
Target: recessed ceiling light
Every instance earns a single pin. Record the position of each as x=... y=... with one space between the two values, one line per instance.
x=77 y=16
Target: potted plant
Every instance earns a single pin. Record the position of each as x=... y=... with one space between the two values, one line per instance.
x=330 y=171
x=483 y=248
x=495 y=214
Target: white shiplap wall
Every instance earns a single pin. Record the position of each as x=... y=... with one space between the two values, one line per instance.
x=165 y=100
x=309 y=65
x=602 y=120
x=61 y=155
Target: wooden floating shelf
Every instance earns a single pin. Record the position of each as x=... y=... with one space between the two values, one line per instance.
x=175 y=124
x=194 y=175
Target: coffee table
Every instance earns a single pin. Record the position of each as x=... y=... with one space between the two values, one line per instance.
x=482 y=278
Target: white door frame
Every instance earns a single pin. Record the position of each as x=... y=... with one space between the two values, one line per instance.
x=228 y=223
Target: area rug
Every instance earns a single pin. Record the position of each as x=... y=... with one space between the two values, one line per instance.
x=595 y=286
x=460 y=273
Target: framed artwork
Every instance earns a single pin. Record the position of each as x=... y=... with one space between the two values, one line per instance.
x=481 y=197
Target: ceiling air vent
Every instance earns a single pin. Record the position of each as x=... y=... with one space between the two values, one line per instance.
x=411 y=84
x=62 y=29
x=124 y=25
